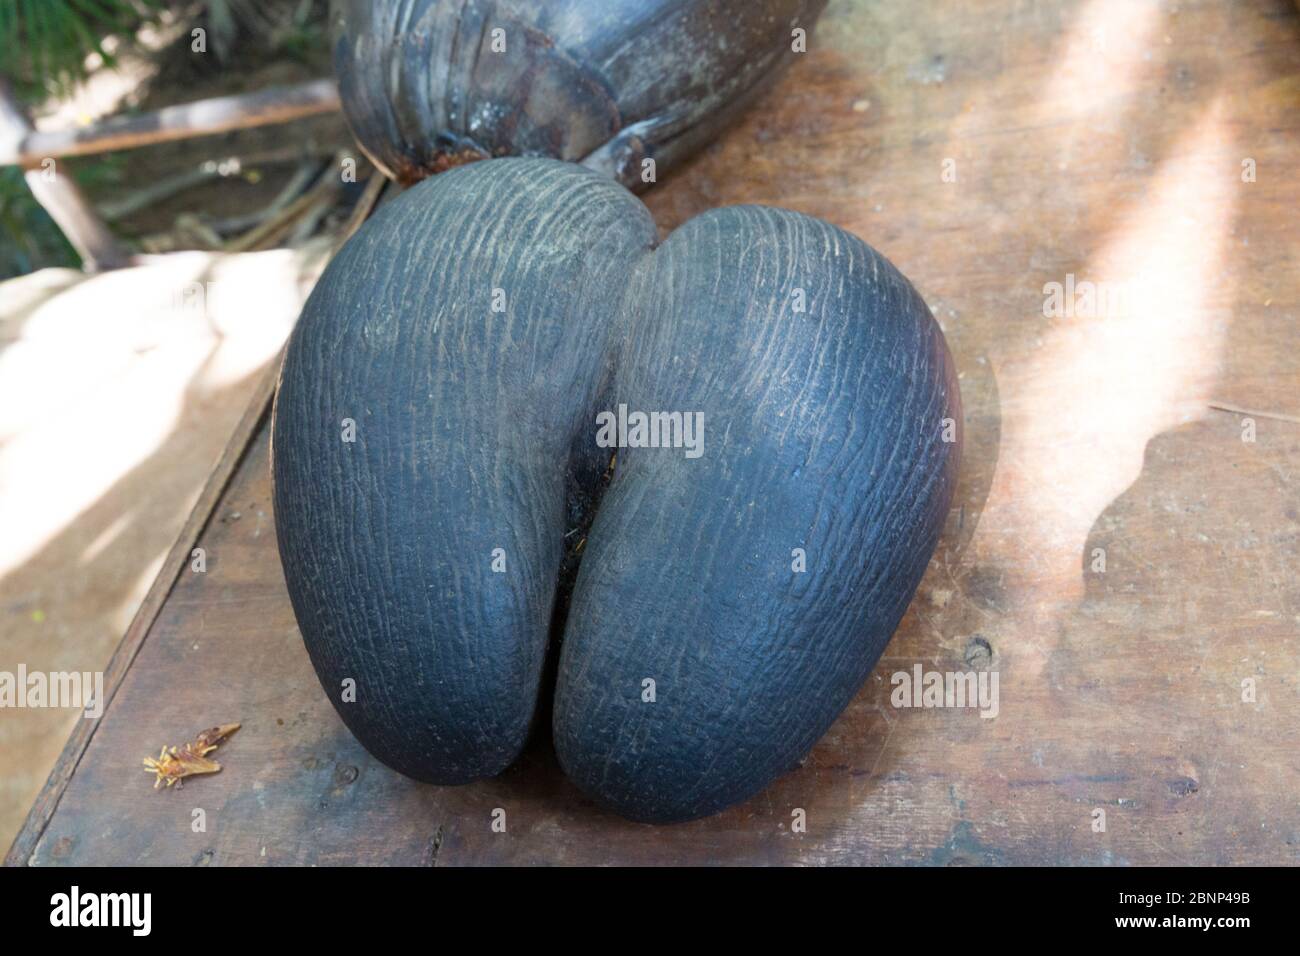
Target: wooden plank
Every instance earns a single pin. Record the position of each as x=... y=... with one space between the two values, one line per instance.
x=176 y=560
x=254 y=417
x=279 y=104
x=1097 y=141
x=217 y=653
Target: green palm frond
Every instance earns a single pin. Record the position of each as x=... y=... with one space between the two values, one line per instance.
x=44 y=43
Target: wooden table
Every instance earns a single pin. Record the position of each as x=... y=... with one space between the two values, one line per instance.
x=1121 y=553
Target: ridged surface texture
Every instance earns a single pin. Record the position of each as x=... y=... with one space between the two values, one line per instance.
x=428 y=84
x=424 y=557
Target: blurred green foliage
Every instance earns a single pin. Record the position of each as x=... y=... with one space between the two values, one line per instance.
x=29 y=239
x=44 y=43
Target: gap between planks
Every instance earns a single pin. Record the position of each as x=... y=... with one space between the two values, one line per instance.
x=51 y=793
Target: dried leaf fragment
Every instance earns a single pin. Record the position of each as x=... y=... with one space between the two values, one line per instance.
x=208 y=739
x=175 y=763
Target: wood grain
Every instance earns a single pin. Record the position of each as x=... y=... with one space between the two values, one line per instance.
x=177 y=558
x=1098 y=139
